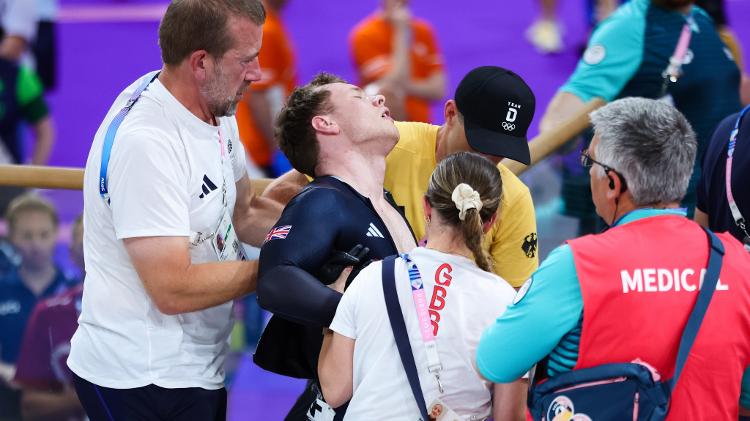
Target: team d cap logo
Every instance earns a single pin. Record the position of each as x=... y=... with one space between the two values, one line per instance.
x=497 y=106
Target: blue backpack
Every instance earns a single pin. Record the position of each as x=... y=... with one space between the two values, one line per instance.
x=623 y=391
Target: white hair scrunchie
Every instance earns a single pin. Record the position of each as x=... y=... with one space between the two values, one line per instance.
x=466 y=198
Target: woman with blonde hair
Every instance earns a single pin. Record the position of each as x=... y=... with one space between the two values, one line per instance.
x=359 y=359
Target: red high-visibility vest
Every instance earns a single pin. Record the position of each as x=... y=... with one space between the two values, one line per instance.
x=639 y=282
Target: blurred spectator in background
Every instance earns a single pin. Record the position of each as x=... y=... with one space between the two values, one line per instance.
x=264 y=99
x=255 y=117
x=41 y=373
x=629 y=55
x=75 y=252
x=32 y=228
x=546 y=31
x=397 y=55
x=44 y=45
x=21 y=100
x=717 y=11
x=19 y=22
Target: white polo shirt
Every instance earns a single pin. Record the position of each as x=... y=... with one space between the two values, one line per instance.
x=165 y=178
x=471 y=302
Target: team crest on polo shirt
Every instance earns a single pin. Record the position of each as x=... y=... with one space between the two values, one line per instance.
x=529 y=245
x=522 y=291
x=689 y=56
x=594 y=54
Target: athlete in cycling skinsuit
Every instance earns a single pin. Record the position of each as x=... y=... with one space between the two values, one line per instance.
x=325 y=219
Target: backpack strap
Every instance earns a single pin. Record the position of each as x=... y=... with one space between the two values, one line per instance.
x=715 y=260
x=400 y=333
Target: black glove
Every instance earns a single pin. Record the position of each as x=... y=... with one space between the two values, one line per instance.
x=339 y=260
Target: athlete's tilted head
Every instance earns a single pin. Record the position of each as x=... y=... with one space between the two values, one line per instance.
x=330 y=119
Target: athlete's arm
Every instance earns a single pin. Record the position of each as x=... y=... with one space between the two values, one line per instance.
x=302 y=244
x=294 y=294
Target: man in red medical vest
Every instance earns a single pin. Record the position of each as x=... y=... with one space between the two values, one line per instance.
x=639 y=280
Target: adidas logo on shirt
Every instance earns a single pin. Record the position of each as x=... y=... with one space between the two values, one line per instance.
x=207 y=187
x=373 y=231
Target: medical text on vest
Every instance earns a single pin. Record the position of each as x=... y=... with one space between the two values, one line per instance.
x=664 y=280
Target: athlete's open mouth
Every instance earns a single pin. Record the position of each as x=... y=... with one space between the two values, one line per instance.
x=386 y=114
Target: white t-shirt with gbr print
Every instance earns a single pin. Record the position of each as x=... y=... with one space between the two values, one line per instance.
x=463 y=300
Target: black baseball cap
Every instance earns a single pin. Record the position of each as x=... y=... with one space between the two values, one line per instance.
x=498 y=107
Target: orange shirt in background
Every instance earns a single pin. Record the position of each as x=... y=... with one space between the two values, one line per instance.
x=371 y=49
x=277 y=62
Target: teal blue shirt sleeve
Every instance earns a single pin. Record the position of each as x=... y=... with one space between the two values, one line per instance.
x=531 y=327
x=613 y=55
x=745 y=390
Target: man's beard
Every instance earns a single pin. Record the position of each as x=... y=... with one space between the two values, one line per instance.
x=219 y=103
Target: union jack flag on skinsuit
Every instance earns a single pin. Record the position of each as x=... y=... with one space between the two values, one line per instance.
x=278 y=233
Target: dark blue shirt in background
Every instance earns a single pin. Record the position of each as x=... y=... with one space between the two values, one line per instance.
x=712 y=191
x=16 y=304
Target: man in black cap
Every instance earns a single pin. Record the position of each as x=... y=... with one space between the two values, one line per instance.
x=490 y=114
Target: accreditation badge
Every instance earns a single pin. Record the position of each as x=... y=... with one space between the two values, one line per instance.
x=225 y=242
x=440 y=411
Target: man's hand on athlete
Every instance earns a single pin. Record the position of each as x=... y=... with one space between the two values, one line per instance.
x=340 y=261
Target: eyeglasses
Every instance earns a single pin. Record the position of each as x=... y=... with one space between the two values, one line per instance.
x=587 y=161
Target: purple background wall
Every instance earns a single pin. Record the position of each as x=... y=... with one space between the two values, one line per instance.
x=106 y=44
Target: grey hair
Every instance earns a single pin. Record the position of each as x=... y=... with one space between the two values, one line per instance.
x=650 y=144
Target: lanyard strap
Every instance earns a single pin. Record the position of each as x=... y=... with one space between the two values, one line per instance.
x=736 y=214
x=400 y=335
x=423 y=315
x=109 y=137
x=223 y=176
x=674 y=69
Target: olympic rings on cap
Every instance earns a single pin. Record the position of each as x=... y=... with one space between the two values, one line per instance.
x=508 y=126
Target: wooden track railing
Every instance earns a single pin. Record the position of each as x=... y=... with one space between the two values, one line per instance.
x=72 y=178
